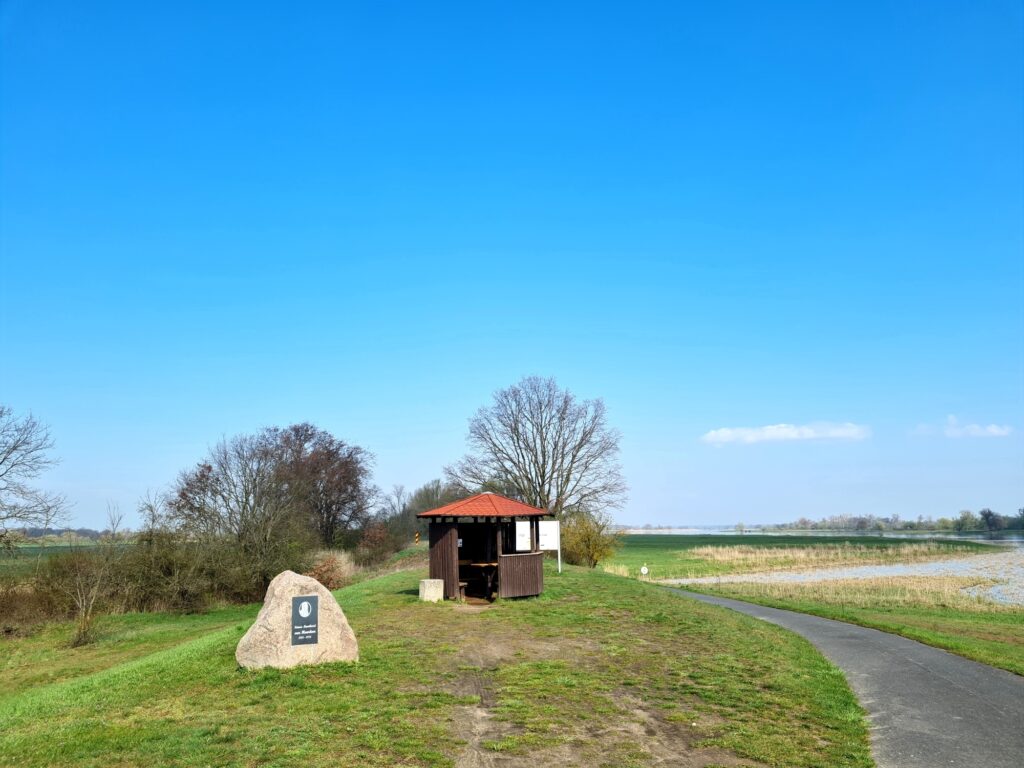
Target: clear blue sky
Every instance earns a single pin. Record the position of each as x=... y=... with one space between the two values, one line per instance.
x=216 y=217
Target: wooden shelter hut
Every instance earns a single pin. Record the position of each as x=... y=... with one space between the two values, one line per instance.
x=486 y=543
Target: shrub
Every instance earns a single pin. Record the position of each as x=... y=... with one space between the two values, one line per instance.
x=333 y=569
x=79 y=583
x=164 y=572
x=587 y=538
x=376 y=544
x=22 y=606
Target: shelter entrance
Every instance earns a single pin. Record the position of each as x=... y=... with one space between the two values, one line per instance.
x=478 y=558
x=486 y=555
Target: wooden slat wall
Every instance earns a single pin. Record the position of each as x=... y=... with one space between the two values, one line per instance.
x=444 y=556
x=520 y=575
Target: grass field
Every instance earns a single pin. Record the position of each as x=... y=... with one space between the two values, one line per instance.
x=670 y=556
x=23 y=561
x=599 y=671
x=932 y=610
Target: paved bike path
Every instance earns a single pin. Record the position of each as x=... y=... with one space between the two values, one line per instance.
x=927 y=707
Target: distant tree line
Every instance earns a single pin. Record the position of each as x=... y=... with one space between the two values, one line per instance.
x=39 y=533
x=967 y=521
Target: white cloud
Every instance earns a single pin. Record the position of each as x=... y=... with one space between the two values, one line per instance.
x=821 y=430
x=954 y=428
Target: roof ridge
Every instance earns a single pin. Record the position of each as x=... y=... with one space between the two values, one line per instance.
x=497 y=504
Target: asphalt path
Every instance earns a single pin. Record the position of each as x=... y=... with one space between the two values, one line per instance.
x=927 y=707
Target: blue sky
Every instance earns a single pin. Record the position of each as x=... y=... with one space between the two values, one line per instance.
x=371 y=216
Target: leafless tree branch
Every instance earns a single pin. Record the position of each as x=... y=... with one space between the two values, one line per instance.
x=541 y=444
x=25 y=444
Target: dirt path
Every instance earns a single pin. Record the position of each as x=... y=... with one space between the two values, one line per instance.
x=927 y=707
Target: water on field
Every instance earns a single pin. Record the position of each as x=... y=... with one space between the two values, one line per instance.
x=1005 y=567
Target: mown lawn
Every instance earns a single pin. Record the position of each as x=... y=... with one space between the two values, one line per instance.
x=599 y=671
x=680 y=556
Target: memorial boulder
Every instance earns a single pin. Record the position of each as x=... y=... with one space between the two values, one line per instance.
x=300 y=623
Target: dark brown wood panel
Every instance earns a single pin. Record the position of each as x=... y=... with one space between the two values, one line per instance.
x=521 y=575
x=444 y=556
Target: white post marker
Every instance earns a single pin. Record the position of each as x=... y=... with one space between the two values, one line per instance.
x=551 y=539
x=643 y=570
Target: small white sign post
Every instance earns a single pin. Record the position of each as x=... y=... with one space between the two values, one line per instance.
x=551 y=539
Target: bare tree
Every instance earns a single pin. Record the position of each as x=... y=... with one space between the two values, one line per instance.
x=236 y=496
x=327 y=479
x=544 y=446
x=396 y=503
x=24 y=455
x=84 y=576
x=400 y=508
x=431 y=495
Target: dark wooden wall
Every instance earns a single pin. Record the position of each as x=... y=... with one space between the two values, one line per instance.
x=444 y=556
x=521 y=575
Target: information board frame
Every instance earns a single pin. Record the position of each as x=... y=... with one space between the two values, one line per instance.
x=549 y=537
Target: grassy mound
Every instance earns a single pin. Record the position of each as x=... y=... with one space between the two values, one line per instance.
x=599 y=671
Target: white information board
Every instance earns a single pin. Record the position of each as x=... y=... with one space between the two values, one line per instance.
x=522 y=535
x=550 y=536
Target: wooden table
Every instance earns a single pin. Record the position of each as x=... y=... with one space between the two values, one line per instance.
x=490 y=570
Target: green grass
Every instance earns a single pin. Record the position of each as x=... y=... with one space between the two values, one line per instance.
x=672 y=556
x=930 y=611
x=994 y=637
x=44 y=658
x=598 y=671
x=24 y=559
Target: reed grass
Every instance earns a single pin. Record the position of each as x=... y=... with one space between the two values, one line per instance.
x=746 y=558
x=679 y=557
x=882 y=593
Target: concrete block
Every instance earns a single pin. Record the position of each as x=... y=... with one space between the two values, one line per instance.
x=432 y=590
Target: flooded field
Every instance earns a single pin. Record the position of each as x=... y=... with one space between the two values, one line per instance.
x=1003 y=572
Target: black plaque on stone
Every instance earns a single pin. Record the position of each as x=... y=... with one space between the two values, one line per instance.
x=305 y=616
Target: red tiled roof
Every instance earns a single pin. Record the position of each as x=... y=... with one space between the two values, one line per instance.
x=485 y=505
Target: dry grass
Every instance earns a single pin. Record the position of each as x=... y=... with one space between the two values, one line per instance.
x=616 y=570
x=334 y=569
x=746 y=558
x=883 y=592
x=623 y=570
x=680 y=557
